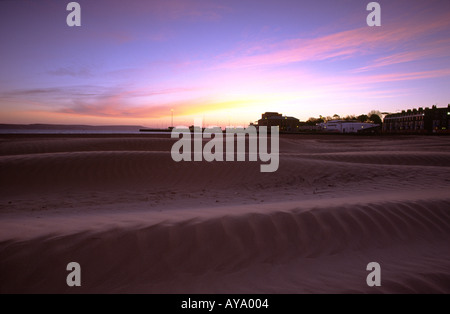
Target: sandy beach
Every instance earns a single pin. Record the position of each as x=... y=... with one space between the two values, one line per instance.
x=138 y=222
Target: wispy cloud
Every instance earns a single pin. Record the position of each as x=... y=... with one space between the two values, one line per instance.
x=428 y=51
x=53 y=93
x=131 y=103
x=31 y=92
x=341 y=45
x=393 y=77
x=185 y=107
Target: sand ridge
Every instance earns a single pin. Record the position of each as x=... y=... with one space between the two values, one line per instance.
x=138 y=222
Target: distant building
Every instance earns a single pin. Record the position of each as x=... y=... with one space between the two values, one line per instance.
x=418 y=121
x=345 y=126
x=286 y=124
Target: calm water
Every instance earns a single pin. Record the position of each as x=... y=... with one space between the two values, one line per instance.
x=18 y=131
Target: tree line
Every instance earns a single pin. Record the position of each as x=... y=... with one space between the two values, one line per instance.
x=373 y=116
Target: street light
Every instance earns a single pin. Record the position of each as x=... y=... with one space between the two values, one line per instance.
x=171 y=110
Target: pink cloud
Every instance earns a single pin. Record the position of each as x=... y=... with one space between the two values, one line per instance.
x=426 y=50
x=113 y=109
x=393 y=77
x=124 y=104
x=365 y=83
x=345 y=44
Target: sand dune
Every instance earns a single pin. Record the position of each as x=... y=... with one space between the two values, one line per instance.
x=157 y=253
x=419 y=158
x=138 y=222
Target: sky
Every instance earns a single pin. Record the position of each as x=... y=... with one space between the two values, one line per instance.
x=224 y=61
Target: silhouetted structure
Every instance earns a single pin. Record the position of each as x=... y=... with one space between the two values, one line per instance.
x=418 y=121
x=347 y=126
x=286 y=124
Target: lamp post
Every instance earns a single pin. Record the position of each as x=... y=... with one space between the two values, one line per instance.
x=171 y=110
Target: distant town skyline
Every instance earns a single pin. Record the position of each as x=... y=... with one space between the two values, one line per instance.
x=131 y=63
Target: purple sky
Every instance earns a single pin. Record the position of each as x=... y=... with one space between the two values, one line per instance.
x=131 y=62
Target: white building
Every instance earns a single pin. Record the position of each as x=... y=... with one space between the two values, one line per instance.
x=344 y=126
